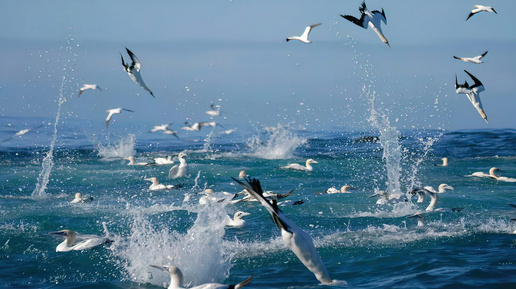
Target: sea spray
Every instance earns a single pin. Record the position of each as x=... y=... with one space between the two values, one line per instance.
x=123 y=149
x=48 y=160
x=280 y=143
x=198 y=252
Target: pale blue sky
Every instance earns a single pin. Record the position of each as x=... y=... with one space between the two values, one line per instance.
x=234 y=53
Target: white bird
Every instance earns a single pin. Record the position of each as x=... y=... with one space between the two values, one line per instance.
x=343 y=190
x=180 y=170
x=384 y=197
x=176 y=280
x=371 y=19
x=132 y=162
x=134 y=70
x=473 y=93
x=493 y=175
x=114 y=111
x=198 y=125
x=445 y=162
x=475 y=59
x=433 y=195
x=420 y=194
x=308 y=167
x=88 y=86
x=237 y=221
x=156 y=186
x=420 y=217
x=164 y=161
x=21 y=132
x=270 y=195
x=160 y=127
x=70 y=237
x=214 y=111
x=299 y=242
x=242 y=174
x=304 y=38
x=212 y=197
x=480 y=8
x=80 y=199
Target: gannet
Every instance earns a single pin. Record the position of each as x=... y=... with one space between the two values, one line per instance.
x=491 y=174
x=80 y=199
x=21 y=132
x=134 y=70
x=384 y=197
x=299 y=242
x=88 y=86
x=371 y=19
x=164 y=161
x=132 y=162
x=237 y=221
x=475 y=59
x=112 y=112
x=242 y=174
x=304 y=38
x=480 y=8
x=70 y=237
x=299 y=167
x=214 y=111
x=445 y=162
x=156 y=186
x=160 y=127
x=433 y=195
x=420 y=194
x=211 y=197
x=198 y=125
x=180 y=170
x=176 y=280
x=270 y=195
x=420 y=217
x=343 y=190
x=472 y=92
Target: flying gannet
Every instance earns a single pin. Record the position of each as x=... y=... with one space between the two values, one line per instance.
x=114 y=111
x=299 y=242
x=70 y=237
x=176 y=280
x=473 y=93
x=180 y=170
x=156 y=186
x=480 y=8
x=80 y=199
x=308 y=167
x=214 y=111
x=134 y=70
x=371 y=19
x=88 y=86
x=304 y=38
x=237 y=221
x=21 y=132
x=198 y=125
x=475 y=59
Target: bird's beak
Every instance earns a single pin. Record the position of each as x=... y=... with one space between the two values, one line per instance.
x=377 y=194
x=159 y=267
x=58 y=233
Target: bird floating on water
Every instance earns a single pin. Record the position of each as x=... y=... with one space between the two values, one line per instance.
x=163 y=161
x=473 y=93
x=237 y=221
x=307 y=167
x=88 y=86
x=444 y=163
x=114 y=111
x=433 y=195
x=80 y=199
x=134 y=70
x=180 y=170
x=176 y=280
x=333 y=190
x=70 y=237
x=299 y=242
x=156 y=186
x=304 y=37
x=132 y=162
x=372 y=19
x=492 y=175
x=475 y=59
x=480 y=8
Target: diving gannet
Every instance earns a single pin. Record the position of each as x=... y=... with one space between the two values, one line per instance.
x=445 y=162
x=156 y=186
x=299 y=242
x=480 y=8
x=308 y=167
x=80 y=199
x=132 y=162
x=214 y=111
x=88 y=86
x=237 y=221
x=112 y=112
x=164 y=161
x=433 y=195
x=176 y=280
x=371 y=19
x=475 y=59
x=472 y=92
x=70 y=237
x=180 y=170
x=304 y=38
x=134 y=70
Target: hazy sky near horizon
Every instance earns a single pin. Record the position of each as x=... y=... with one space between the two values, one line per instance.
x=234 y=53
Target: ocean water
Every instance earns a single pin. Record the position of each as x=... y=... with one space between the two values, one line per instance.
x=362 y=243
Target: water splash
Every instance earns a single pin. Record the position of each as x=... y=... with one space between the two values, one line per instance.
x=124 y=148
x=280 y=144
